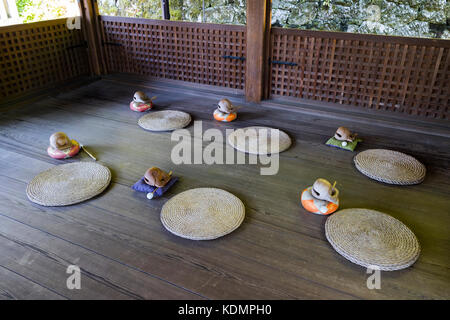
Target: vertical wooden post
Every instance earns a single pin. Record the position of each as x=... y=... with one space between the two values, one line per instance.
x=91 y=31
x=267 y=51
x=258 y=29
x=165 y=9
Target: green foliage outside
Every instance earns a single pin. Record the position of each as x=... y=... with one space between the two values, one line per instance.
x=411 y=18
x=415 y=18
x=216 y=11
x=150 y=9
x=38 y=10
x=21 y=5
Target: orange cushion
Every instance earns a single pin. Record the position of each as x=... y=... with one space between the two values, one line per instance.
x=313 y=205
x=225 y=117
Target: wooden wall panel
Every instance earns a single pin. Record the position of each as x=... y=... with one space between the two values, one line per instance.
x=38 y=55
x=184 y=51
x=403 y=75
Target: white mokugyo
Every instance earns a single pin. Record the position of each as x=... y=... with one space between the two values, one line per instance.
x=141 y=97
x=323 y=190
x=321 y=197
x=226 y=106
x=60 y=141
x=345 y=135
x=150 y=195
x=225 y=111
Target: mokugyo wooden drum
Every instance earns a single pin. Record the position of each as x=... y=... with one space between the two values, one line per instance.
x=315 y=205
x=224 y=117
x=64 y=154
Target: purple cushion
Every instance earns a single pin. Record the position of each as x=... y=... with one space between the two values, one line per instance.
x=143 y=187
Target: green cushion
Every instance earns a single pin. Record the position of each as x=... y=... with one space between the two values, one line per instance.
x=333 y=142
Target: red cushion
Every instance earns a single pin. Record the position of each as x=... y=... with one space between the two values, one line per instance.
x=58 y=154
x=141 y=107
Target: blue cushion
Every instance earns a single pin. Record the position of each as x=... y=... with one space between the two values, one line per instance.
x=143 y=187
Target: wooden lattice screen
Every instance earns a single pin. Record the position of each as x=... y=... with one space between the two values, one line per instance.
x=405 y=75
x=38 y=55
x=195 y=52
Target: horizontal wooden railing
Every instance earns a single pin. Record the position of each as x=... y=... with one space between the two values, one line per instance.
x=37 y=55
x=209 y=54
x=399 y=74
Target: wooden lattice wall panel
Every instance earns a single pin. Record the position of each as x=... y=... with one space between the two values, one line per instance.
x=38 y=55
x=176 y=50
x=405 y=75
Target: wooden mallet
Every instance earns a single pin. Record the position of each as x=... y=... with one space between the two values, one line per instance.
x=89 y=154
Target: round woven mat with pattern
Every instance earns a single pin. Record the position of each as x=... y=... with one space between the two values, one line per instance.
x=166 y=120
x=390 y=166
x=259 y=140
x=69 y=183
x=203 y=213
x=371 y=238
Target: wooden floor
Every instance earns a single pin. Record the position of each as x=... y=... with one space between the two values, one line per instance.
x=279 y=252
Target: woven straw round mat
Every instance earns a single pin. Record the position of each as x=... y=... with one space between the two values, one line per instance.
x=166 y=120
x=390 y=166
x=259 y=140
x=203 y=213
x=69 y=183
x=371 y=238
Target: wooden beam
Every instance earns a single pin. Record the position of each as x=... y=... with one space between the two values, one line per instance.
x=258 y=29
x=90 y=25
x=165 y=9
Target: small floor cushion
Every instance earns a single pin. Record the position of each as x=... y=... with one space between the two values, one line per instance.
x=166 y=120
x=372 y=239
x=203 y=213
x=141 y=186
x=141 y=107
x=349 y=146
x=390 y=166
x=259 y=140
x=64 y=154
x=68 y=183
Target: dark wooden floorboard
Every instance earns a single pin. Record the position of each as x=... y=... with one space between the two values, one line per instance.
x=140 y=242
x=47 y=256
x=280 y=251
x=15 y=286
